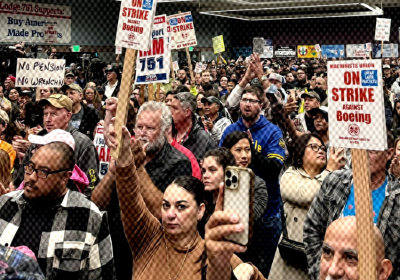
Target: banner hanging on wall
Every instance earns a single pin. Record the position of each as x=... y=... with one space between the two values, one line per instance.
x=307 y=51
x=28 y=22
x=331 y=51
x=285 y=51
x=153 y=66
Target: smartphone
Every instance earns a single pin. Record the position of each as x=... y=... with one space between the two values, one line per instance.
x=238 y=199
x=292 y=94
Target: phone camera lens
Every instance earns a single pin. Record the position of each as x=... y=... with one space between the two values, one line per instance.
x=228 y=183
x=228 y=174
x=234 y=179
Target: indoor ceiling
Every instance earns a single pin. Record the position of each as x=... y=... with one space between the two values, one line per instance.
x=255 y=10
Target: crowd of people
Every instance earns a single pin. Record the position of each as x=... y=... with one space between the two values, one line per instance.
x=157 y=211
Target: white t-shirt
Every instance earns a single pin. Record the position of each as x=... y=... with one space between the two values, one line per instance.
x=110 y=89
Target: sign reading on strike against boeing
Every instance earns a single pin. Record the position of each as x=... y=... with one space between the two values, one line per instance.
x=182 y=30
x=135 y=23
x=356 y=105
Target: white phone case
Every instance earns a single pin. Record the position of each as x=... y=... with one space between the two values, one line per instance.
x=238 y=199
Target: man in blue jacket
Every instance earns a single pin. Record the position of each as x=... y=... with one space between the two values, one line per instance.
x=267 y=160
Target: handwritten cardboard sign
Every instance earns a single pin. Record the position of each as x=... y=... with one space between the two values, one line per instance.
x=40 y=72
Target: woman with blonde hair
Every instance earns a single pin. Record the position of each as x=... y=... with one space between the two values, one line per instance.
x=93 y=100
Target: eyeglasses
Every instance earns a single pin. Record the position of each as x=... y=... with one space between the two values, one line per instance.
x=41 y=173
x=251 y=101
x=300 y=73
x=316 y=147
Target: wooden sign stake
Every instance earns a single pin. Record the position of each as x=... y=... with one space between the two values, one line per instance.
x=172 y=69
x=365 y=225
x=382 y=49
x=150 y=91
x=141 y=94
x=158 y=92
x=123 y=97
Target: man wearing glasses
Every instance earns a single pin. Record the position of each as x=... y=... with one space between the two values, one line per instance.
x=269 y=154
x=67 y=233
x=335 y=199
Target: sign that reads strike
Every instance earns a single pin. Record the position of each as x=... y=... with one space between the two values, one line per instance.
x=356 y=105
x=182 y=30
x=153 y=65
x=135 y=23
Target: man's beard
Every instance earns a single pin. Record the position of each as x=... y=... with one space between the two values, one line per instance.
x=155 y=146
x=250 y=117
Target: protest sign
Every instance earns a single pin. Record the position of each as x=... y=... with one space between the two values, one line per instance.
x=40 y=72
x=153 y=65
x=382 y=29
x=218 y=44
x=50 y=33
x=135 y=23
x=387 y=50
x=268 y=52
x=176 y=65
x=103 y=151
x=317 y=48
x=267 y=42
x=118 y=50
x=356 y=105
x=285 y=51
x=331 y=51
x=199 y=67
x=356 y=50
x=258 y=45
x=182 y=30
x=204 y=67
x=307 y=52
x=368 y=47
x=28 y=21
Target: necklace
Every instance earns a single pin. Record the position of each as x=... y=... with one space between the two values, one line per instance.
x=187 y=252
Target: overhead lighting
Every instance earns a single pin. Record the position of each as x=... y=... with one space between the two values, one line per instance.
x=280 y=8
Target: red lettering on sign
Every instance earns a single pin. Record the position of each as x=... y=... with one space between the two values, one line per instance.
x=353 y=95
x=137 y=3
x=351 y=78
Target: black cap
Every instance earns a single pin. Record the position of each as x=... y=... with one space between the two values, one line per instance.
x=70 y=74
x=113 y=69
x=211 y=99
x=232 y=65
x=26 y=93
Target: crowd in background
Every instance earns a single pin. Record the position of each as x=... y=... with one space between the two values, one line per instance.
x=268 y=115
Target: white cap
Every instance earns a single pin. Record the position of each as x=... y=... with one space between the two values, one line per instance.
x=57 y=135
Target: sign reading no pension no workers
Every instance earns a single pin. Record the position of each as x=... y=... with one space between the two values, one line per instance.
x=40 y=72
x=356 y=105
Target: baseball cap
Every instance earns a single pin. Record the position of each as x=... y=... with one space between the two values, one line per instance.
x=386 y=66
x=69 y=74
x=4 y=116
x=211 y=99
x=58 y=101
x=232 y=65
x=72 y=86
x=275 y=76
x=311 y=94
x=293 y=68
x=112 y=69
x=57 y=135
x=323 y=110
x=26 y=93
x=12 y=78
x=238 y=67
x=272 y=89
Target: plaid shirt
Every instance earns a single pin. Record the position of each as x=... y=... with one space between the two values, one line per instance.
x=78 y=245
x=328 y=206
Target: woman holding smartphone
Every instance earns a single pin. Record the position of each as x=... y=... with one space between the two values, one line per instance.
x=174 y=247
